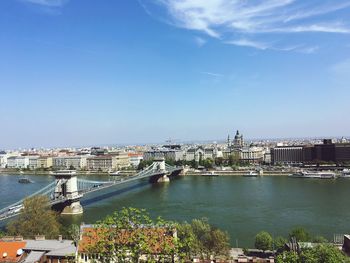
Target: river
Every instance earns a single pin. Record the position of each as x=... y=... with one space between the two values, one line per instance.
x=242 y=206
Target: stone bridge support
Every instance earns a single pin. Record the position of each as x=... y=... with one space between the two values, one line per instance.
x=67 y=190
x=160 y=166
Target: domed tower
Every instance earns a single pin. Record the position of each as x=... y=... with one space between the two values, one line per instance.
x=238 y=141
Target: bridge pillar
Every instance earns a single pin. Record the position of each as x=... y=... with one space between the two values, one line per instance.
x=160 y=166
x=67 y=190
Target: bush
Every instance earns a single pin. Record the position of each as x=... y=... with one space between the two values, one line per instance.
x=263 y=240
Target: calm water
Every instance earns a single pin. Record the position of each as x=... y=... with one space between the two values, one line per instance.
x=242 y=206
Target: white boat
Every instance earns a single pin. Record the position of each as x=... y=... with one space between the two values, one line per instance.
x=212 y=173
x=345 y=173
x=116 y=173
x=251 y=174
x=314 y=174
x=64 y=172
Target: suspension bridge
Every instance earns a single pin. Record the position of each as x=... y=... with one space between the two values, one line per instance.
x=66 y=190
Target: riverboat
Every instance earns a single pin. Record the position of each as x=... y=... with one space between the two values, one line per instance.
x=210 y=174
x=64 y=172
x=24 y=180
x=251 y=174
x=116 y=173
x=345 y=173
x=314 y=174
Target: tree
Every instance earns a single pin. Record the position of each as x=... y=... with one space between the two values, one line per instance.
x=36 y=218
x=188 y=240
x=129 y=233
x=319 y=239
x=263 y=240
x=324 y=253
x=219 y=161
x=279 y=243
x=209 y=240
x=300 y=234
x=288 y=257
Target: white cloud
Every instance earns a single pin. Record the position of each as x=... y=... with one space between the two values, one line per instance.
x=47 y=3
x=212 y=74
x=243 y=42
x=225 y=19
x=248 y=43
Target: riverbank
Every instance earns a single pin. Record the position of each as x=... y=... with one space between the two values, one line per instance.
x=237 y=173
x=46 y=173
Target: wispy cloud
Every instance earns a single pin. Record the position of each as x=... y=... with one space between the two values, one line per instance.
x=200 y=41
x=47 y=3
x=212 y=74
x=272 y=46
x=225 y=19
x=248 y=43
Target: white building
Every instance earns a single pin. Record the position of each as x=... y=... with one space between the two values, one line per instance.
x=135 y=159
x=18 y=162
x=3 y=160
x=33 y=162
x=252 y=154
x=77 y=162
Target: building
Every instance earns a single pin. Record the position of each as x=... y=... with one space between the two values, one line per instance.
x=251 y=155
x=44 y=162
x=122 y=160
x=3 y=159
x=103 y=163
x=238 y=141
x=15 y=249
x=18 y=162
x=166 y=153
x=327 y=152
x=346 y=244
x=33 y=162
x=194 y=154
x=135 y=158
x=77 y=162
x=287 y=154
x=11 y=250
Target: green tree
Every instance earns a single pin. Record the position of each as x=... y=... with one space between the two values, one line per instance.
x=300 y=234
x=74 y=233
x=279 y=243
x=263 y=240
x=188 y=240
x=36 y=218
x=129 y=233
x=288 y=257
x=219 y=161
x=209 y=240
x=323 y=253
x=319 y=239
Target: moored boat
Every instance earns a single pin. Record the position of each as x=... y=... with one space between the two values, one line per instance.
x=314 y=174
x=251 y=174
x=24 y=180
x=116 y=173
x=210 y=174
x=345 y=173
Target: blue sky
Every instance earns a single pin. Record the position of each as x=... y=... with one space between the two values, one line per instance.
x=89 y=72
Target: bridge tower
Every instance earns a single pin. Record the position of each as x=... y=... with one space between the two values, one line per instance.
x=160 y=166
x=67 y=190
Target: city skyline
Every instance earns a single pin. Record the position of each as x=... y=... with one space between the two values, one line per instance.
x=92 y=73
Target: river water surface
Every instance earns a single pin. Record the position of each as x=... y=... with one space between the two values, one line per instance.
x=242 y=206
